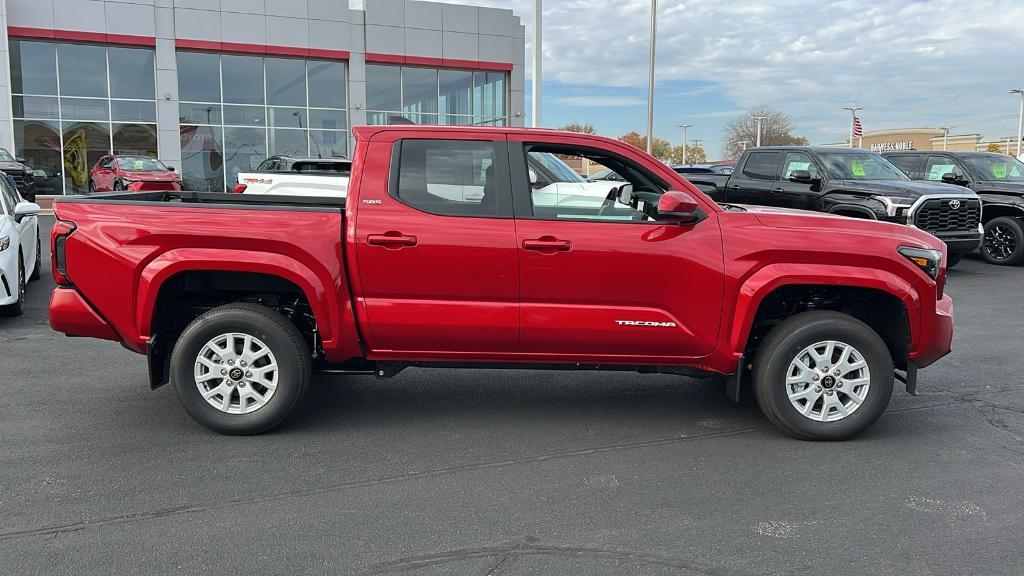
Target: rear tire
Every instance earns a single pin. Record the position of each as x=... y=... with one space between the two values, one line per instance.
x=817 y=403
x=118 y=186
x=1003 y=244
x=246 y=352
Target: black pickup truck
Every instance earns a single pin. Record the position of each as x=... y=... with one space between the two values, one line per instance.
x=998 y=180
x=849 y=182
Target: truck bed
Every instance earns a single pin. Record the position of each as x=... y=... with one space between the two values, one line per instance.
x=187 y=199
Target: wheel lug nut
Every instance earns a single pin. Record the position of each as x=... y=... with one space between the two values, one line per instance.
x=828 y=392
x=840 y=385
x=231 y=362
x=816 y=378
x=817 y=389
x=837 y=372
x=242 y=385
x=223 y=371
x=242 y=364
x=249 y=375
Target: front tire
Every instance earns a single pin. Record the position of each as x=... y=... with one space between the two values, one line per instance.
x=118 y=187
x=37 y=271
x=954 y=259
x=823 y=375
x=240 y=369
x=18 y=308
x=1004 y=241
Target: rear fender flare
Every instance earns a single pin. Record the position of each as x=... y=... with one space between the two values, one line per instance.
x=163 y=267
x=768 y=279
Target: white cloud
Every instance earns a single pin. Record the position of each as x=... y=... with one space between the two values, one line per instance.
x=602 y=101
x=908 y=62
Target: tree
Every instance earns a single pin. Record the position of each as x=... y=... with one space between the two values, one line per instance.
x=662 y=149
x=993 y=148
x=776 y=130
x=587 y=128
x=694 y=155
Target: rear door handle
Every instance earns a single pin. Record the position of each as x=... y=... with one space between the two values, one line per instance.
x=778 y=190
x=391 y=239
x=547 y=244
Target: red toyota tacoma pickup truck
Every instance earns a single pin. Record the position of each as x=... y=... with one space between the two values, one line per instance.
x=444 y=254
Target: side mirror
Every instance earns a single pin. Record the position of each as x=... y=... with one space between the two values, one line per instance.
x=801 y=176
x=170 y=168
x=533 y=177
x=21 y=160
x=678 y=206
x=951 y=178
x=24 y=209
x=625 y=194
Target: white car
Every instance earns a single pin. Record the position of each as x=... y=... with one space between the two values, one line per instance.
x=19 y=248
x=287 y=176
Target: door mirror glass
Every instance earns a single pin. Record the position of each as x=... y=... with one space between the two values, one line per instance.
x=533 y=177
x=625 y=195
x=801 y=176
x=677 y=206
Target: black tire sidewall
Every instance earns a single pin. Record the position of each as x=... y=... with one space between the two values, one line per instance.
x=269 y=327
x=1017 y=257
x=954 y=259
x=770 y=377
x=37 y=270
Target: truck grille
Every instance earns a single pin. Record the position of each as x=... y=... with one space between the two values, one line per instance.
x=939 y=215
x=18 y=178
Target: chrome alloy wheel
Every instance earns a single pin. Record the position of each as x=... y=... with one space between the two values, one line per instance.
x=828 y=381
x=236 y=373
x=1000 y=242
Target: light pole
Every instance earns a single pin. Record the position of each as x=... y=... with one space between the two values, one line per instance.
x=684 y=127
x=1008 y=140
x=537 y=54
x=1020 y=123
x=945 y=137
x=853 y=119
x=759 y=120
x=650 y=79
x=744 y=144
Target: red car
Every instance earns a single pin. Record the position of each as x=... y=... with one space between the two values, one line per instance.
x=133 y=173
x=444 y=254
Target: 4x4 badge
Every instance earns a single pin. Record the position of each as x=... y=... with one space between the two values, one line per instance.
x=954 y=204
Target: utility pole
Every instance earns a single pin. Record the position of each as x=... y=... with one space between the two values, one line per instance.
x=853 y=118
x=684 y=127
x=650 y=79
x=1008 y=140
x=945 y=137
x=1020 y=122
x=538 y=53
x=744 y=144
x=759 y=120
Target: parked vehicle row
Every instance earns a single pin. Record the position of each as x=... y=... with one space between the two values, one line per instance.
x=453 y=254
x=997 y=179
x=20 y=253
x=850 y=182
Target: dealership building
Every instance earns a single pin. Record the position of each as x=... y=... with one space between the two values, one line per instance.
x=928 y=139
x=211 y=87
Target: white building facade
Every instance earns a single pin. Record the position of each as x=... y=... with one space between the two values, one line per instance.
x=212 y=87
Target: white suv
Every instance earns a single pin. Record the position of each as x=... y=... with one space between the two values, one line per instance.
x=19 y=248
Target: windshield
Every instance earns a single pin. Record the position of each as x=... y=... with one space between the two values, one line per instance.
x=856 y=166
x=560 y=170
x=5 y=156
x=995 y=167
x=140 y=164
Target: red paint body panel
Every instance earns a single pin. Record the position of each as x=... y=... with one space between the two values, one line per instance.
x=422 y=287
x=72 y=315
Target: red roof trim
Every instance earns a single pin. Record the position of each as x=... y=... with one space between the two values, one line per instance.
x=80 y=36
x=242 y=48
x=439 y=62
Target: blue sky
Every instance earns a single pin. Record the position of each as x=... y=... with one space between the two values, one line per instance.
x=909 y=63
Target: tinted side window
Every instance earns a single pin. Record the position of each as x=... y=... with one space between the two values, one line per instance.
x=10 y=198
x=798 y=161
x=907 y=163
x=762 y=166
x=449 y=177
x=937 y=166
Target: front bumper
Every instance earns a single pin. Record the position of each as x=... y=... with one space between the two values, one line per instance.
x=936 y=334
x=961 y=242
x=9 y=276
x=172 y=185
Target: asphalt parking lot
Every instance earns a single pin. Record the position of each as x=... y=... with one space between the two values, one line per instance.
x=511 y=473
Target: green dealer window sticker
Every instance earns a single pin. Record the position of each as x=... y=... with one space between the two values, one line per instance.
x=858 y=169
x=138 y=165
x=999 y=171
x=794 y=166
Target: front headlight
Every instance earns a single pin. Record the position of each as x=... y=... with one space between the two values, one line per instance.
x=896 y=205
x=927 y=260
x=5 y=243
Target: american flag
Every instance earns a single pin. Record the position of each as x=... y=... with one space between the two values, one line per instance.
x=858 y=130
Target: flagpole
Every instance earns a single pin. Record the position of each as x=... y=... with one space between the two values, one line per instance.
x=853 y=118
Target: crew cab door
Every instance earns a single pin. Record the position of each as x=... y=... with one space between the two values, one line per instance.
x=605 y=282
x=790 y=192
x=435 y=272
x=755 y=182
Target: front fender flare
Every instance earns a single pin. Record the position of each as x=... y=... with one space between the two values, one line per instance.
x=766 y=280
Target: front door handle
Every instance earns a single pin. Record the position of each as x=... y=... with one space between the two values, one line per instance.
x=391 y=239
x=778 y=190
x=548 y=244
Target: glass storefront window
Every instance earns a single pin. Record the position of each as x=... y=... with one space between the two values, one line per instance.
x=64 y=118
x=287 y=106
x=432 y=96
x=82 y=69
x=202 y=158
x=33 y=67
